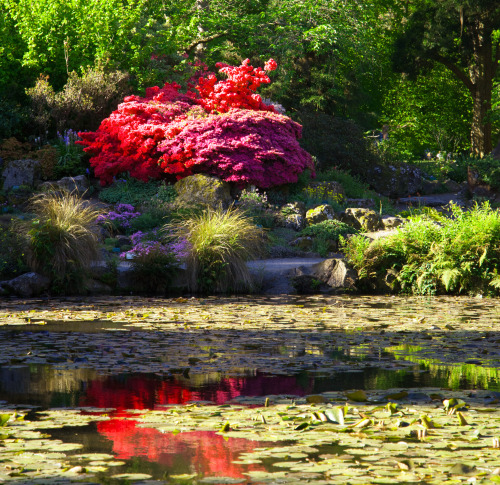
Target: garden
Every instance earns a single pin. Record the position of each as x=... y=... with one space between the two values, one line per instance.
x=249 y=242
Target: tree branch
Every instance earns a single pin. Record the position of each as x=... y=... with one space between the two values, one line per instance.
x=455 y=70
x=193 y=44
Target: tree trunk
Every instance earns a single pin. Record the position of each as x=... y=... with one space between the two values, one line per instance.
x=481 y=75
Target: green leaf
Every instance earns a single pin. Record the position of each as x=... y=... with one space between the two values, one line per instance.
x=357 y=396
x=4 y=419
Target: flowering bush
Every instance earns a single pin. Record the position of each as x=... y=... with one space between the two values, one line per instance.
x=119 y=218
x=146 y=243
x=225 y=130
x=241 y=146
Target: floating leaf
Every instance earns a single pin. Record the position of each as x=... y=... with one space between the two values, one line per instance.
x=357 y=396
x=335 y=415
x=461 y=419
x=315 y=399
x=397 y=396
x=4 y=419
x=301 y=426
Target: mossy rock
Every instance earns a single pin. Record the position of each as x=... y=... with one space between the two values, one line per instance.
x=319 y=214
x=364 y=219
x=202 y=191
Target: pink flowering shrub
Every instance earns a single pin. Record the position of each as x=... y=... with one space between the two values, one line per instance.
x=224 y=130
x=241 y=146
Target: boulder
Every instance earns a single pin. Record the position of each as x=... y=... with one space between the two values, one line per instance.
x=28 y=285
x=364 y=219
x=330 y=276
x=95 y=287
x=319 y=214
x=292 y=216
x=78 y=184
x=395 y=182
x=390 y=222
x=303 y=243
x=20 y=172
x=202 y=190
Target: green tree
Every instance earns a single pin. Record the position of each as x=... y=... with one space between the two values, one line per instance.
x=463 y=36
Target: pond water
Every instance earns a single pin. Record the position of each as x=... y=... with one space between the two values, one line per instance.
x=95 y=371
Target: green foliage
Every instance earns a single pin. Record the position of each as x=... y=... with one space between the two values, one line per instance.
x=325 y=233
x=81 y=105
x=337 y=143
x=12 y=252
x=62 y=238
x=220 y=244
x=116 y=34
x=429 y=114
x=134 y=192
x=154 y=216
x=154 y=271
x=457 y=255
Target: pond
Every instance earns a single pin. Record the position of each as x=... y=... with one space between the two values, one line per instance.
x=250 y=390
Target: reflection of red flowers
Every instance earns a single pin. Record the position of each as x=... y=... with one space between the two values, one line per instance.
x=146 y=392
x=202 y=452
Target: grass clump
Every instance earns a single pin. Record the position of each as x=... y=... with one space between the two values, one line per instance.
x=460 y=254
x=62 y=238
x=219 y=244
x=12 y=252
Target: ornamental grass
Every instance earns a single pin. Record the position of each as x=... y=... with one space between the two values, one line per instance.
x=62 y=238
x=219 y=244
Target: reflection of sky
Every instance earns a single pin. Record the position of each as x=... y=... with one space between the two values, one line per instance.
x=202 y=452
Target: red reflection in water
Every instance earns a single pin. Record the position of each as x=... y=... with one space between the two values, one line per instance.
x=146 y=392
x=201 y=452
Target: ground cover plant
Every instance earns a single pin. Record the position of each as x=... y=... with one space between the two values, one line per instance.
x=326 y=235
x=225 y=130
x=435 y=254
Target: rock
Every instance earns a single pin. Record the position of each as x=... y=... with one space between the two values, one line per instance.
x=28 y=285
x=331 y=275
x=452 y=186
x=364 y=219
x=390 y=222
x=325 y=191
x=95 y=287
x=78 y=184
x=429 y=187
x=3 y=289
x=394 y=181
x=125 y=277
x=292 y=216
x=319 y=214
x=476 y=185
x=20 y=172
x=304 y=243
x=123 y=241
x=366 y=203
x=202 y=190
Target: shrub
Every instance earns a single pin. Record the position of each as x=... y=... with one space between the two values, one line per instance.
x=70 y=156
x=220 y=243
x=12 y=252
x=120 y=218
x=130 y=191
x=226 y=131
x=62 y=238
x=460 y=254
x=242 y=146
x=325 y=233
x=80 y=105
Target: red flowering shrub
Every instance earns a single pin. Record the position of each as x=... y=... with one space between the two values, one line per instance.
x=127 y=140
x=226 y=130
x=242 y=146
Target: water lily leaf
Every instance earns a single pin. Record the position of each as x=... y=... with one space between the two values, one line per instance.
x=335 y=415
x=4 y=419
x=357 y=396
x=301 y=426
x=392 y=407
x=363 y=423
x=461 y=419
x=452 y=405
x=221 y=480
x=427 y=422
x=397 y=396
x=315 y=399
x=132 y=476
x=463 y=469
x=226 y=427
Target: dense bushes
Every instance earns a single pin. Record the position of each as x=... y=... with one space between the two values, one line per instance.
x=226 y=130
x=460 y=254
